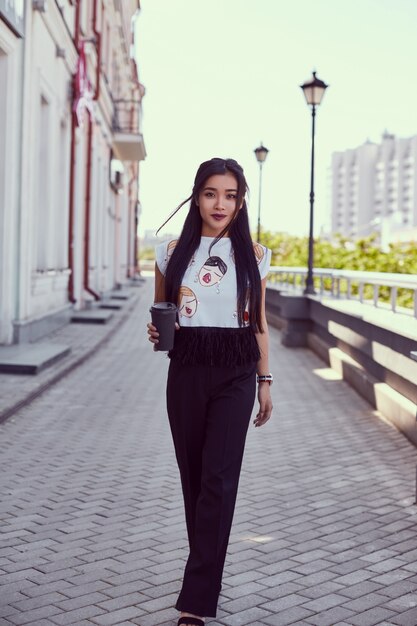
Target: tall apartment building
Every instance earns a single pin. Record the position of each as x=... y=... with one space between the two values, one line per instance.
x=374 y=188
x=70 y=146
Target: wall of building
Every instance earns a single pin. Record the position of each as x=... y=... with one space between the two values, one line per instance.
x=67 y=232
x=43 y=264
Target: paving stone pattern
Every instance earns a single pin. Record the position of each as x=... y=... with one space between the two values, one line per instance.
x=83 y=339
x=92 y=522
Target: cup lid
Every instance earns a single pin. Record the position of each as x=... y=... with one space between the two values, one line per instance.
x=164 y=306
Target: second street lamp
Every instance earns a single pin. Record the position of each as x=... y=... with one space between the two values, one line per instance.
x=313 y=91
x=261 y=153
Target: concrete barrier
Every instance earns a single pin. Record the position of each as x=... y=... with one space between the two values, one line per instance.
x=370 y=349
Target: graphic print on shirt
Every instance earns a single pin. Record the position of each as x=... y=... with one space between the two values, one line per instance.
x=170 y=249
x=197 y=304
x=187 y=302
x=212 y=272
x=259 y=252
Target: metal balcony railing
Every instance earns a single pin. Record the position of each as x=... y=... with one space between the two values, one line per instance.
x=127 y=117
x=395 y=292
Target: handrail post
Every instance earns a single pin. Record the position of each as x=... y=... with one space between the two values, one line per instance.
x=376 y=295
x=393 y=299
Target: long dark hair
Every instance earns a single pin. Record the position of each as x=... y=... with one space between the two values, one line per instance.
x=247 y=273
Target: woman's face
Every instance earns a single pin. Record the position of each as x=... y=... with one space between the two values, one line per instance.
x=217 y=203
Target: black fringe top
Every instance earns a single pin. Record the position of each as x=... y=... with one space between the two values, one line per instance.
x=222 y=347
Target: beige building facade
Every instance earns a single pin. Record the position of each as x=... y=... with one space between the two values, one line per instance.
x=70 y=146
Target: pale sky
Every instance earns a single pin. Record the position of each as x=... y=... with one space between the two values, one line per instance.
x=223 y=75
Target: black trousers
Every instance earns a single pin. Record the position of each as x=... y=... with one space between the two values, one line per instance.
x=209 y=409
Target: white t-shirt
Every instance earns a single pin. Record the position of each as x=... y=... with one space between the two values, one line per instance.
x=208 y=293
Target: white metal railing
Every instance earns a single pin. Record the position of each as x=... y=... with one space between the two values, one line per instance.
x=294 y=278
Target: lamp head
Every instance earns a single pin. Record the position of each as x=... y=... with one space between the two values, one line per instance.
x=261 y=153
x=314 y=90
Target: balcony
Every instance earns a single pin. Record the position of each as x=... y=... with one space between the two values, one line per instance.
x=128 y=144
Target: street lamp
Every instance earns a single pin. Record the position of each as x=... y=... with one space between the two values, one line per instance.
x=313 y=91
x=261 y=153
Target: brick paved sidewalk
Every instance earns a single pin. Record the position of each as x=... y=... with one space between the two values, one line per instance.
x=93 y=530
x=83 y=339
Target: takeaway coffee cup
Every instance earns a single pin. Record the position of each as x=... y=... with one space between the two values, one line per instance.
x=164 y=316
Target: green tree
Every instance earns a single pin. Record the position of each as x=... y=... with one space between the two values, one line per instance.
x=363 y=255
x=147 y=254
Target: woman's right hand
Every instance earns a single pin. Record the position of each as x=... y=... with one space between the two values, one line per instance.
x=153 y=334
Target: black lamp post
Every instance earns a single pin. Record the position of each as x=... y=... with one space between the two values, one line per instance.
x=313 y=91
x=261 y=153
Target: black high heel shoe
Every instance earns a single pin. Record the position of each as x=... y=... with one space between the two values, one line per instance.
x=190 y=620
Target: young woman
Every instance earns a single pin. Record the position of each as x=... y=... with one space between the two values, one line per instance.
x=217 y=276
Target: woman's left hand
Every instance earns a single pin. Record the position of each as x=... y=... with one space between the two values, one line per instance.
x=265 y=404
